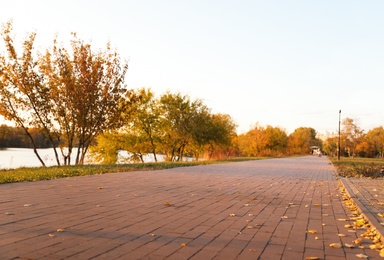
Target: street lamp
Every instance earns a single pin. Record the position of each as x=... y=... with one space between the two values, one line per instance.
x=338 y=145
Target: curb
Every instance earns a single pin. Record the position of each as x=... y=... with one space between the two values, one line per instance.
x=352 y=192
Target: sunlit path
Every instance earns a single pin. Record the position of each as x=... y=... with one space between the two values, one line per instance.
x=226 y=211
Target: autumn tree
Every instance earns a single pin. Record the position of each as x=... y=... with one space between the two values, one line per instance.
x=351 y=134
x=375 y=139
x=301 y=140
x=178 y=113
x=71 y=95
x=212 y=134
x=24 y=99
x=330 y=145
x=263 y=141
x=144 y=126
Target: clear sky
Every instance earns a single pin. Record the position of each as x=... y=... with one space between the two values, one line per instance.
x=281 y=63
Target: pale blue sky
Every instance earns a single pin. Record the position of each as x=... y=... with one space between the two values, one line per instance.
x=281 y=63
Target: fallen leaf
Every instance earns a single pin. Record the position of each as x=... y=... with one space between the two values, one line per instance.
x=152 y=235
x=9 y=213
x=166 y=203
x=232 y=215
x=316 y=205
x=358 y=241
x=284 y=217
x=335 y=245
x=247 y=205
x=342 y=219
x=51 y=235
x=350 y=245
x=341 y=235
x=100 y=188
x=311 y=258
x=373 y=247
x=27 y=205
x=249 y=227
x=316 y=238
x=382 y=252
x=312 y=231
x=183 y=244
x=60 y=230
x=362 y=256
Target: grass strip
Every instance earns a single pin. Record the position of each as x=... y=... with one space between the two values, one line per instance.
x=55 y=172
x=359 y=167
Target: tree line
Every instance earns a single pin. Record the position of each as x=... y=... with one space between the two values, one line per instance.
x=354 y=141
x=16 y=137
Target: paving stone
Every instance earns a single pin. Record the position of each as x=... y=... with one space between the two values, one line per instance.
x=186 y=213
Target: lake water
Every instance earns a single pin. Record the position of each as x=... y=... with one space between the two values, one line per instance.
x=11 y=158
x=21 y=157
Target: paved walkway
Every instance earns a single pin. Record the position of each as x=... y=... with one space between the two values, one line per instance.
x=247 y=210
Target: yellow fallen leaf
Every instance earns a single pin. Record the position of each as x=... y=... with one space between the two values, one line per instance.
x=183 y=244
x=166 y=203
x=350 y=245
x=341 y=235
x=247 y=205
x=360 y=222
x=373 y=247
x=311 y=258
x=152 y=235
x=382 y=252
x=348 y=226
x=335 y=245
x=284 y=217
x=362 y=256
x=312 y=231
x=249 y=227
x=358 y=241
x=51 y=235
x=380 y=215
x=9 y=213
x=100 y=188
x=381 y=203
x=316 y=238
x=342 y=219
x=232 y=215
x=316 y=205
x=27 y=205
x=60 y=230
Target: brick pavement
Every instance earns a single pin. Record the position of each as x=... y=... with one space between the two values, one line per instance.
x=246 y=210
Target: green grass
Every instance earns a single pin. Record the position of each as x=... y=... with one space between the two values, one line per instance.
x=48 y=173
x=359 y=167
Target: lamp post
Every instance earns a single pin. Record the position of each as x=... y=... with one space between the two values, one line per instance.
x=338 y=145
